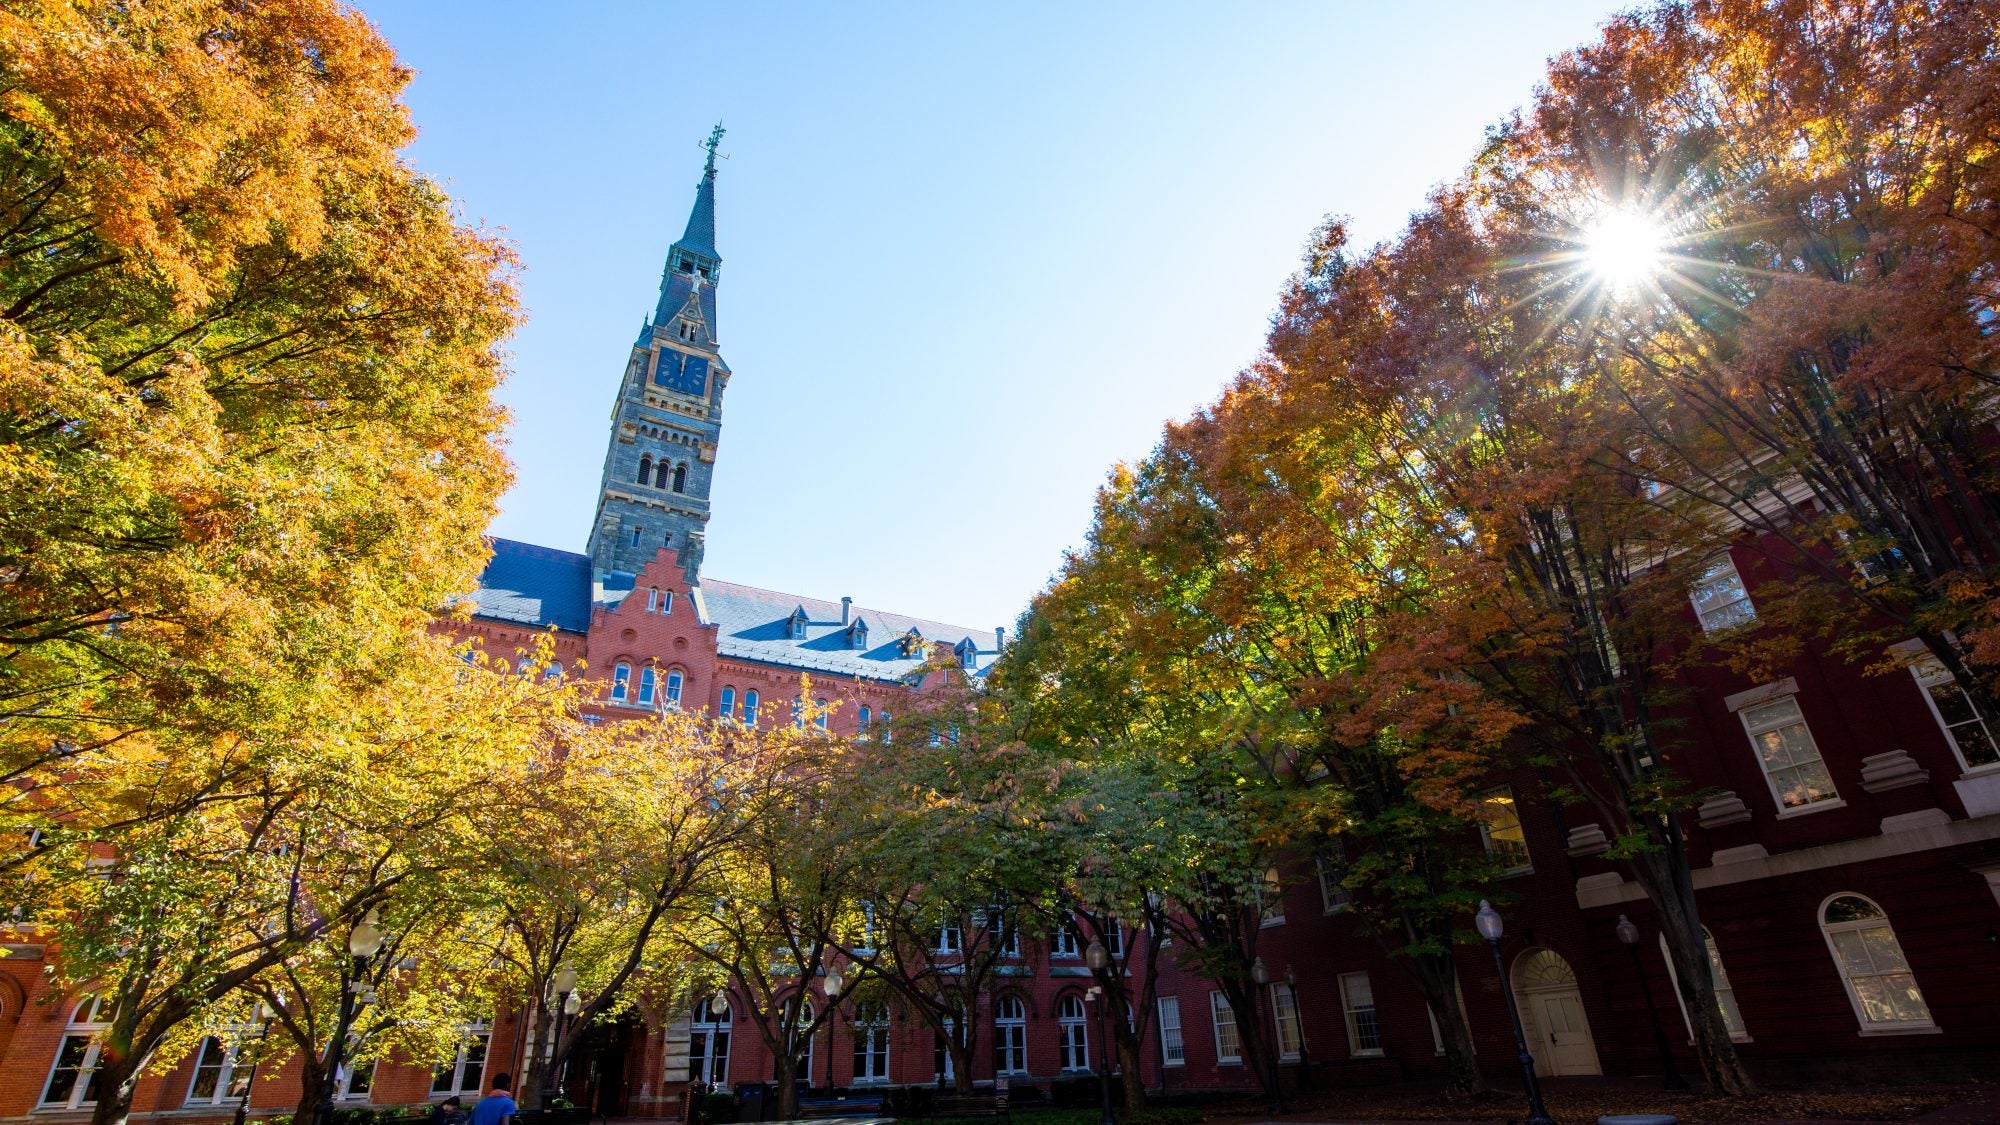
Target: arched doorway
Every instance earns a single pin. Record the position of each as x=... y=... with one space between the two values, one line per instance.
x=1552 y=1014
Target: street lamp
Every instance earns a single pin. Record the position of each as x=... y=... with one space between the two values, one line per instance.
x=1488 y=921
x=1098 y=959
x=363 y=941
x=270 y=1014
x=568 y=1003
x=1670 y=1074
x=1261 y=977
x=832 y=983
x=1299 y=1014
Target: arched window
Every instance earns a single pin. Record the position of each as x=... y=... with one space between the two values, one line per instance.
x=555 y=671
x=798 y=713
x=666 y=601
x=861 y=720
x=652 y=600
x=72 y=1080
x=1010 y=1036
x=681 y=477
x=728 y=704
x=750 y=708
x=1872 y=966
x=621 y=682
x=674 y=684
x=819 y=713
x=648 y=682
x=646 y=469
x=708 y=1043
x=888 y=732
x=1074 y=1031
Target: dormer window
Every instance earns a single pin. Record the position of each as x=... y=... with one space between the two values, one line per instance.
x=795 y=628
x=913 y=644
x=857 y=635
x=968 y=654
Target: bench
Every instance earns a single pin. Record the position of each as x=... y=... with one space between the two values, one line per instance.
x=861 y=1105
x=991 y=1103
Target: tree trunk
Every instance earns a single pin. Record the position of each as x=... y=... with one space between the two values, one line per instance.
x=1664 y=875
x=535 y=1072
x=117 y=1078
x=787 y=1075
x=312 y=1090
x=1437 y=979
x=961 y=1063
x=1130 y=1079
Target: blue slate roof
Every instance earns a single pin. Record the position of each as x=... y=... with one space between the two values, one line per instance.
x=755 y=624
x=531 y=585
x=539 y=586
x=700 y=234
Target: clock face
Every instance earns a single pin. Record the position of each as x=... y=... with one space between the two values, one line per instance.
x=676 y=371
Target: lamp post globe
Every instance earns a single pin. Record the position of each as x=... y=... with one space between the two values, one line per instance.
x=1097 y=957
x=365 y=939
x=1627 y=932
x=1259 y=975
x=565 y=979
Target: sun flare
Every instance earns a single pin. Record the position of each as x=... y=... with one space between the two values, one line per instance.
x=1624 y=248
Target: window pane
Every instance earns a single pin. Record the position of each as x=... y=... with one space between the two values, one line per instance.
x=68 y=1068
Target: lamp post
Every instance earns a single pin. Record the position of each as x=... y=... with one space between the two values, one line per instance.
x=250 y=1086
x=1299 y=1014
x=1488 y=921
x=1098 y=959
x=1670 y=1074
x=1261 y=977
x=833 y=982
x=567 y=1003
x=363 y=942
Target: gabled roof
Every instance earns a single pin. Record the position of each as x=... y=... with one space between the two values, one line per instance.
x=754 y=624
x=538 y=586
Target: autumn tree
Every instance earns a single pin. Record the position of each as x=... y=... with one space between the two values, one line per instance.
x=189 y=912
x=597 y=848
x=246 y=368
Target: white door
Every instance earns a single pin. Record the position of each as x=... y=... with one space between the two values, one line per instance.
x=1565 y=1033
x=1552 y=1015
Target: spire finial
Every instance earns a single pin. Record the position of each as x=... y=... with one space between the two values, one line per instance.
x=714 y=139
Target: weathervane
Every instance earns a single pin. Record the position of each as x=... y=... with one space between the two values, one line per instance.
x=714 y=139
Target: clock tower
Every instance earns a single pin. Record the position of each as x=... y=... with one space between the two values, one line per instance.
x=668 y=414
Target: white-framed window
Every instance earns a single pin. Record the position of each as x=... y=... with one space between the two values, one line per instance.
x=1228 y=1042
x=675 y=682
x=354 y=1081
x=1720 y=601
x=652 y=595
x=800 y=1020
x=871 y=1045
x=1969 y=733
x=648 y=685
x=1725 y=994
x=796 y=627
x=1010 y=1036
x=1500 y=829
x=555 y=671
x=72 y=1081
x=1430 y=1013
x=218 y=1079
x=1878 y=978
x=1063 y=943
x=1285 y=1019
x=1073 y=1029
x=750 y=708
x=464 y=1073
x=819 y=713
x=1173 y=1049
x=708 y=1044
x=1790 y=757
x=861 y=718
x=1114 y=938
x=666 y=601
x=1333 y=896
x=1357 y=1001
x=728 y=704
x=1271 y=899
x=948 y=939
x=638 y=534
x=621 y=683
x=943 y=1071
x=888 y=732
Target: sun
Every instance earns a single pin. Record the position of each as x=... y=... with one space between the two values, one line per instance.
x=1623 y=248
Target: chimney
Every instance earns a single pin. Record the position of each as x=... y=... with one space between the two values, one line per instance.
x=999 y=638
x=846 y=607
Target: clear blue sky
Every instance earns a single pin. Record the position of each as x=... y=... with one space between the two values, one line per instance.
x=973 y=254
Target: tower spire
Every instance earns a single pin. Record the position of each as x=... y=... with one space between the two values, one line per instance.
x=692 y=261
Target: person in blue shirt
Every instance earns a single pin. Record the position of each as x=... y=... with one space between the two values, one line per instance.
x=496 y=1108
